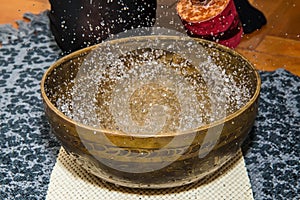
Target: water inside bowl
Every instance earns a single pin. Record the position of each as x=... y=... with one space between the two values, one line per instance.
x=151 y=91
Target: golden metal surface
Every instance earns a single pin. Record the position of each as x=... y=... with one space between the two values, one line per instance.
x=101 y=150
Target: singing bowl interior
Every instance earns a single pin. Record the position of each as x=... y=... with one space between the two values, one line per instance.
x=171 y=156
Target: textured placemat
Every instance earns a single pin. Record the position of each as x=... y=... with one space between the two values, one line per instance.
x=69 y=181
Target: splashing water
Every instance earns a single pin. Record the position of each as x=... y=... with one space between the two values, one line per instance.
x=151 y=87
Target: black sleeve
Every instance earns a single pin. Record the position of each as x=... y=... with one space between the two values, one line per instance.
x=79 y=23
x=251 y=18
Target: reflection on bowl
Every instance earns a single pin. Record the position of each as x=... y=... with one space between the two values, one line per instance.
x=151 y=111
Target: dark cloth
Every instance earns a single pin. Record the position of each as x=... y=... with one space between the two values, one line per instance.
x=76 y=24
x=252 y=19
x=79 y=23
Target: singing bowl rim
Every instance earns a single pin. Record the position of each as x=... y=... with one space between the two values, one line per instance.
x=229 y=117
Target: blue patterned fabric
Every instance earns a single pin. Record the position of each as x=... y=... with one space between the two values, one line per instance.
x=29 y=150
x=272 y=150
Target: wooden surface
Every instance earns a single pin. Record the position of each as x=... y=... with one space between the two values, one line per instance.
x=276 y=45
x=12 y=10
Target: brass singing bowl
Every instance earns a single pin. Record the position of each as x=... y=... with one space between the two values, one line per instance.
x=151 y=161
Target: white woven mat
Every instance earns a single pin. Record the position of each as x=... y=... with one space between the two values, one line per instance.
x=70 y=181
